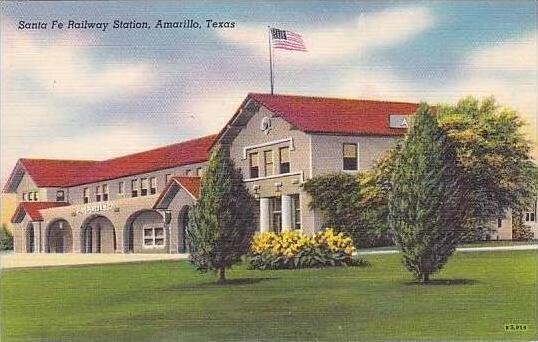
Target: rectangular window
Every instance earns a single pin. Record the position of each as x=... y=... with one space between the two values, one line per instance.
x=153 y=236
x=86 y=195
x=167 y=178
x=284 y=159
x=296 y=202
x=24 y=196
x=134 y=188
x=60 y=196
x=350 y=157
x=121 y=188
x=98 y=193
x=153 y=185
x=268 y=157
x=36 y=196
x=188 y=173
x=499 y=223
x=254 y=165
x=276 y=219
x=530 y=216
x=143 y=186
x=199 y=172
x=105 y=192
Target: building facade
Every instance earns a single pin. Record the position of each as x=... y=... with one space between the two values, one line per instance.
x=139 y=203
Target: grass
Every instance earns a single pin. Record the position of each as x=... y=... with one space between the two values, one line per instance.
x=472 y=298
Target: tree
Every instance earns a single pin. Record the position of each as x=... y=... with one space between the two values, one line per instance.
x=6 y=239
x=221 y=223
x=494 y=157
x=338 y=197
x=427 y=200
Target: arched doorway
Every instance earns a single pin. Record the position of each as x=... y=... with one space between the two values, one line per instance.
x=144 y=232
x=98 y=235
x=59 y=237
x=30 y=238
x=183 y=220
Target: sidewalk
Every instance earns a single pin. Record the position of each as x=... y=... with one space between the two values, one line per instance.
x=21 y=260
x=463 y=249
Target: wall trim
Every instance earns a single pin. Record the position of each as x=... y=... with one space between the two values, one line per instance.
x=269 y=143
x=300 y=173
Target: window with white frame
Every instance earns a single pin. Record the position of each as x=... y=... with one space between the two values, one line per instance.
x=86 y=195
x=188 y=173
x=253 y=161
x=105 y=192
x=153 y=185
x=276 y=217
x=35 y=196
x=296 y=202
x=143 y=186
x=167 y=178
x=153 y=236
x=268 y=160
x=134 y=187
x=24 y=198
x=121 y=188
x=350 y=157
x=284 y=153
x=530 y=216
x=199 y=172
x=98 y=193
x=60 y=196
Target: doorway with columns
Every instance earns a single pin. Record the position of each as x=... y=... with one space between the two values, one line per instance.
x=280 y=213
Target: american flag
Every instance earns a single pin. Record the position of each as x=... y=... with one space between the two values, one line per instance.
x=287 y=40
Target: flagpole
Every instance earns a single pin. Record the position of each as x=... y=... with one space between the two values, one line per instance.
x=271 y=61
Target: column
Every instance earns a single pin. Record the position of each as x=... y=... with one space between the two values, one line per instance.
x=287 y=218
x=265 y=222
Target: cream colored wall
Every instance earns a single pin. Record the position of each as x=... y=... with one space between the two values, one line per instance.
x=75 y=194
x=251 y=135
x=327 y=151
x=280 y=129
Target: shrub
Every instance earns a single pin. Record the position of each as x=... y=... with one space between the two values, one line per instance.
x=295 y=250
x=6 y=239
x=520 y=232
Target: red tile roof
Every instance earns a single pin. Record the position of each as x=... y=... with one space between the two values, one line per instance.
x=191 y=185
x=336 y=116
x=32 y=209
x=62 y=173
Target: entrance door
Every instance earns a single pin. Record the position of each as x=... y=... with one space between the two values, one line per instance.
x=88 y=239
x=30 y=237
x=183 y=242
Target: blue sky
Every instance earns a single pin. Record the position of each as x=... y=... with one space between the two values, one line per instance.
x=92 y=95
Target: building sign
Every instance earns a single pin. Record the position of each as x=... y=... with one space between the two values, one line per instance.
x=399 y=121
x=88 y=209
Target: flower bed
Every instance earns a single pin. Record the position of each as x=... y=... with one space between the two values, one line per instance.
x=295 y=250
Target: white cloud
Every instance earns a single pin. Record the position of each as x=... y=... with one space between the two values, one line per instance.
x=519 y=54
x=329 y=42
x=41 y=77
x=63 y=70
x=208 y=113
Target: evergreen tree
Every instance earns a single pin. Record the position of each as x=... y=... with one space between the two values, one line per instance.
x=221 y=224
x=427 y=200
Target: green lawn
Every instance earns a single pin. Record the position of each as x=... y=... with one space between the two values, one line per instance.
x=169 y=301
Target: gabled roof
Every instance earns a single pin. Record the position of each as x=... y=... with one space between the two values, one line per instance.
x=32 y=210
x=63 y=173
x=191 y=185
x=336 y=116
